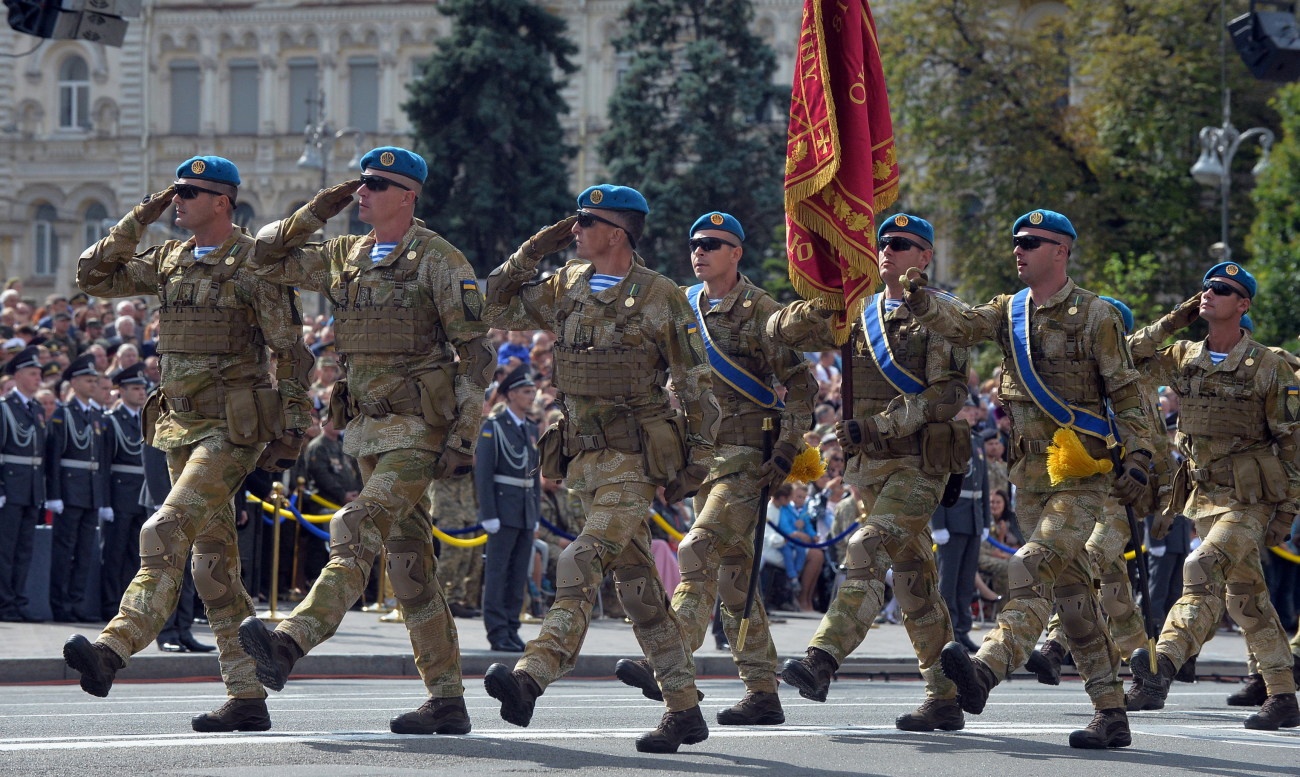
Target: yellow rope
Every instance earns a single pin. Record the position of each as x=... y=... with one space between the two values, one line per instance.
x=266 y=507
x=1286 y=554
x=324 y=502
x=666 y=526
x=1132 y=555
x=440 y=534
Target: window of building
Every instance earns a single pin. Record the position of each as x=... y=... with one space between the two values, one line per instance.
x=74 y=94
x=304 y=92
x=185 y=97
x=243 y=96
x=45 y=244
x=363 y=94
x=244 y=215
x=94 y=227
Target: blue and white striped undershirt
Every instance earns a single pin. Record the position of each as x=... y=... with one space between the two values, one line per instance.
x=892 y=304
x=381 y=250
x=202 y=251
x=601 y=282
x=1216 y=357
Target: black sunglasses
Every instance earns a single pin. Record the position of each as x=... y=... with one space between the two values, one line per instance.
x=1220 y=289
x=586 y=219
x=376 y=183
x=1032 y=242
x=709 y=244
x=900 y=244
x=188 y=191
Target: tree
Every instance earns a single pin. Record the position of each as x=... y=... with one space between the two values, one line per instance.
x=1275 y=235
x=696 y=124
x=486 y=110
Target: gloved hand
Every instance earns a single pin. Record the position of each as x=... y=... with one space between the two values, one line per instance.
x=1156 y=551
x=330 y=202
x=1279 y=529
x=54 y=505
x=1134 y=475
x=152 y=207
x=3 y=499
x=858 y=436
x=106 y=514
x=984 y=535
x=492 y=525
x=550 y=239
x=941 y=536
x=1182 y=316
x=686 y=483
x=776 y=469
x=915 y=296
x=1161 y=523
x=453 y=463
x=282 y=452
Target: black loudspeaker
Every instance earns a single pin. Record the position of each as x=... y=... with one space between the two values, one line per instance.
x=1268 y=42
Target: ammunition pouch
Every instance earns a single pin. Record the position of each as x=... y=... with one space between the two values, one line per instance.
x=744 y=429
x=624 y=435
x=945 y=447
x=1254 y=477
x=663 y=446
x=253 y=415
x=150 y=414
x=550 y=447
x=340 y=409
x=437 y=388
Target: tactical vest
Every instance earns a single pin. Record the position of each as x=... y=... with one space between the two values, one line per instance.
x=742 y=422
x=383 y=309
x=1222 y=404
x=1072 y=374
x=194 y=317
x=910 y=343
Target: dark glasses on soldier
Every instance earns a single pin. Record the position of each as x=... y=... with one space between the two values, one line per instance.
x=709 y=244
x=377 y=183
x=896 y=243
x=188 y=191
x=1220 y=289
x=1032 y=242
x=586 y=219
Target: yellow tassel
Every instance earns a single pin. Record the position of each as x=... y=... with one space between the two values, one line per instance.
x=808 y=466
x=1067 y=458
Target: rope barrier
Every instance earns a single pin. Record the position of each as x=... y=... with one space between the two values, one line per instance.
x=307 y=519
x=824 y=544
x=1000 y=546
x=557 y=531
x=666 y=526
x=457 y=542
x=284 y=515
x=1286 y=554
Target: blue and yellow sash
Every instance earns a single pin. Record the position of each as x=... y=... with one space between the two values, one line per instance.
x=1066 y=415
x=742 y=380
x=873 y=323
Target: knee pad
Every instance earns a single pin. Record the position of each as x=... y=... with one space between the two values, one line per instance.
x=406 y=571
x=578 y=573
x=1022 y=571
x=345 y=531
x=161 y=545
x=1079 y=617
x=910 y=586
x=1116 y=597
x=637 y=593
x=860 y=559
x=694 y=555
x=211 y=579
x=733 y=583
x=1243 y=607
x=1198 y=571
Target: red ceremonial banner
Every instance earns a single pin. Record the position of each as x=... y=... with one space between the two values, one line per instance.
x=841 y=167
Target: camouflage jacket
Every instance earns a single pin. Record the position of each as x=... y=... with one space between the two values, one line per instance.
x=563 y=510
x=112 y=268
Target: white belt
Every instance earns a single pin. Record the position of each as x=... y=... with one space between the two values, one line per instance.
x=128 y=469
x=93 y=466
x=30 y=461
x=506 y=480
x=977 y=493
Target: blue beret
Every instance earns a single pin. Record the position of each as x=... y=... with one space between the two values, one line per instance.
x=1234 y=272
x=209 y=168
x=1123 y=311
x=612 y=197
x=27 y=357
x=392 y=159
x=906 y=222
x=717 y=220
x=1246 y=323
x=1045 y=219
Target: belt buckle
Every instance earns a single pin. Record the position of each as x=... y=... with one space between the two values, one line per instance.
x=589 y=442
x=180 y=404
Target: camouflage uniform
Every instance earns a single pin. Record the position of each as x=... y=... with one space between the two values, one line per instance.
x=899 y=489
x=719 y=548
x=211 y=345
x=1233 y=480
x=563 y=509
x=454 y=506
x=1080 y=353
x=407 y=401
x=615 y=351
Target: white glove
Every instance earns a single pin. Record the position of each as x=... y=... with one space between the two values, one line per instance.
x=941 y=536
x=1156 y=550
x=106 y=514
x=54 y=505
x=3 y=499
x=492 y=525
x=985 y=534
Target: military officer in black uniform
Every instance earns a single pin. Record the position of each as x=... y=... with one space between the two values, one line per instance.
x=958 y=531
x=126 y=513
x=22 y=480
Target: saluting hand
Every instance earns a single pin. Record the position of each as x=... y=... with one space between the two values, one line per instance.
x=551 y=239
x=328 y=203
x=1183 y=315
x=152 y=207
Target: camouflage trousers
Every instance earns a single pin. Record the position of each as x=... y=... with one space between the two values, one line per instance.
x=719 y=552
x=460 y=569
x=896 y=533
x=1106 y=554
x=1228 y=561
x=1061 y=523
x=393 y=484
x=205 y=476
x=616 y=538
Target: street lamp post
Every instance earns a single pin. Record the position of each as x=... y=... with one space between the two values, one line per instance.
x=1214 y=166
x=319 y=138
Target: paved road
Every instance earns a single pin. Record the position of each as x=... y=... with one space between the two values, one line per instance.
x=325 y=728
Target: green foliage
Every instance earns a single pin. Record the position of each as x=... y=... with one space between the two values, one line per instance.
x=1275 y=236
x=485 y=110
x=696 y=124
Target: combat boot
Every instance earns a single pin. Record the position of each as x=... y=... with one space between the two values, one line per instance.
x=1278 y=711
x=810 y=674
x=675 y=729
x=96 y=662
x=972 y=677
x=435 y=716
x=637 y=673
x=1252 y=694
x=516 y=690
x=273 y=652
x=1149 y=690
x=941 y=714
x=235 y=715
x=1046 y=663
x=757 y=708
x=1108 y=728
x=1187 y=672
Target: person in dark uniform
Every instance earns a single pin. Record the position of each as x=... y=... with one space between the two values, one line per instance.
x=958 y=531
x=76 y=493
x=22 y=480
x=333 y=476
x=509 y=503
x=126 y=514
